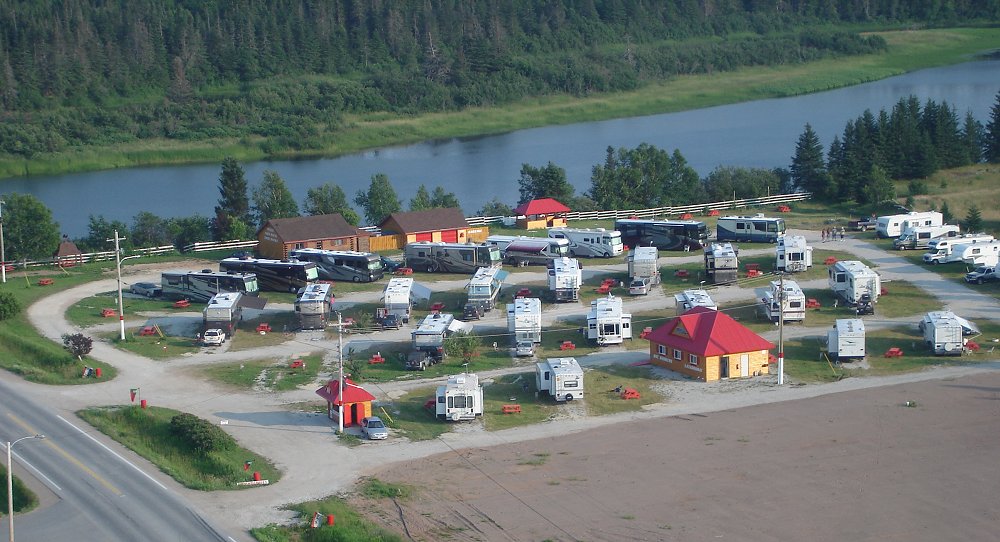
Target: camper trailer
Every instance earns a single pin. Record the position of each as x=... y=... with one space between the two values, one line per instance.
x=945 y=332
x=642 y=263
x=851 y=279
x=427 y=341
x=590 y=242
x=561 y=378
x=606 y=323
x=398 y=299
x=943 y=250
x=921 y=236
x=484 y=287
x=846 y=341
x=223 y=312
x=893 y=225
x=461 y=398
x=688 y=299
x=793 y=255
x=524 y=320
x=314 y=305
x=722 y=264
x=783 y=300
x=750 y=229
x=987 y=253
x=565 y=278
x=450 y=257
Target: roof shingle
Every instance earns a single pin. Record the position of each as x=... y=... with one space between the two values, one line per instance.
x=708 y=332
x=308 y=228
x=446 y=218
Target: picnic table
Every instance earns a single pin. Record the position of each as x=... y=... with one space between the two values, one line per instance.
x=784 y=208
x=567 y=345
x=523 y=292
x=297 y=364
x=645 y=332
x=511 y=409
x=147 y=331
x=687 y=216
x=830 y=260
x=603 y=289
x=376 y=359
x=812 y=303
x=181 y=304
x=46 y=282
x=263 y=328
x=403 y=271
x=630 y=393
x=437 y=307
x=894 y=352
x=681 y=273
x=713 y=212
x=107 y=312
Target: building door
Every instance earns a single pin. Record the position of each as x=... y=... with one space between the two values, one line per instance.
x=449 y=236
x=429 y=236
x=744 y=364
x=724 y=367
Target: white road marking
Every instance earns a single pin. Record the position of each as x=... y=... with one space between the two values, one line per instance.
x=112 y=452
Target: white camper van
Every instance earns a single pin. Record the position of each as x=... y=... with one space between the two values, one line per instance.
x=921 y=236
x=561 y=378
x=793 y=254
x=688 y=299
x=722 y=264
x=590 y=242
x=461 y=398
x=783 y=301
x=851 y=279
x=606 y=323
x=894 y=225
x=565 y=278
x=945 y=332
x=846 y=341
x=943 y=250
x=524 y=319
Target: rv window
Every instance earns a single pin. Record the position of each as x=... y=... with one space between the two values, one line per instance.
x=461 y=401
x=741 y=226
x=625 y=325
x=440 y=399
x=760 y=226
x=661 y=350
x=467 y=256
x=841 y=277
x=795 y=304
x=796 y=257
x=593 y=325
x=571 y=384
x=421 y=254
x=338 y=261
x=546 y=375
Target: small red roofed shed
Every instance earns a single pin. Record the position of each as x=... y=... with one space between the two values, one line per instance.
x=357 y=401
x=541 y=213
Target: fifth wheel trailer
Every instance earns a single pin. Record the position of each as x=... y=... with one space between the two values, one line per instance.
x=846 y=341
x=561 y=378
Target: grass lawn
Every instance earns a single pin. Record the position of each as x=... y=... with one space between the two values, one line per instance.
x=600 y=382
x=153 y=346
x=269 y=375
x=24 y=499
x=518 y=389
x=247 y=337
x=147 y=432
x=87 y=311
x=412 y=420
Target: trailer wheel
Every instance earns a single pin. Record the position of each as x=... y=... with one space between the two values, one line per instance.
x=569 y=397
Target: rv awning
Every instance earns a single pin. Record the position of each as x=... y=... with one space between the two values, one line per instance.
x=458 y=325
x=252 y=302
x=968 y=328
x=502 y=275
x=419 y=292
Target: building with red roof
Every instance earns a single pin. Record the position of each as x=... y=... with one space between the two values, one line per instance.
x=541 y=213
x=708 y=345
x=357 y=401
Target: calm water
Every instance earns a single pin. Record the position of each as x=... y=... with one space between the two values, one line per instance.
x=754 y=134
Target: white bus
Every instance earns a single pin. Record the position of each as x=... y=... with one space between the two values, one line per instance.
x=343 y=265
x=590 y=242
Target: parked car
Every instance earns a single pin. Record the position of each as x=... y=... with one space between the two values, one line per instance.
x=373 y=428
x=147 y=289
x=213 y=337
x=524 y=349
x=639 y=286
x=389 y=264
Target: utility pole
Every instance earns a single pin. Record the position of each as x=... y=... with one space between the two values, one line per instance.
x=340 y=388
x=118 y=264
x=781 y=328
x=3 y=258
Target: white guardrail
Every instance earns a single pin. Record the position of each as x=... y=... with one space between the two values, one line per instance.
x=87 y=257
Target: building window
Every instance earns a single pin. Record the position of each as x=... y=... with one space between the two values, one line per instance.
x=299 y=245
x=661 y=350
x=692 y=360
x=319 y=245
x=677 y=354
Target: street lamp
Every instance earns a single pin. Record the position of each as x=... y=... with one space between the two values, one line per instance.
x=3 y=258
x=10 y=483
x=118 y=264
x=340 y=387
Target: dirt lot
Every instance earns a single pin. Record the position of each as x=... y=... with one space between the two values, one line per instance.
x=858 y=465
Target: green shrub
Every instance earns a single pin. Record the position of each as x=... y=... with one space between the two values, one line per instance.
x=199 y=434
x=9 y=305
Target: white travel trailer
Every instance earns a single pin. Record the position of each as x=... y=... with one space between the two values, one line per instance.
x=561 y=378
x=987 y=253
x=590 y=242
x=223 y=312
x=784 y=300
x=943 y=250
x=851 y=279
x=524 y=319
x=461 y=398
x=606 y=323
x=846 y=341
x=399 y=295
x=688 y=299
x=921 y=236
x=722 y=264
x=565 y=278
x=642 y=263
x=793 y=254
x=894 y=225
x=945 y=332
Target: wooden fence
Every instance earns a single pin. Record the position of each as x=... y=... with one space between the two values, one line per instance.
x=87 y=257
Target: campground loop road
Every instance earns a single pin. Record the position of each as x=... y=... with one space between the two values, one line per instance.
x=303 y=444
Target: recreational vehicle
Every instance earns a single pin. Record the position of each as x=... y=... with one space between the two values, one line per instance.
x=793 y=254
x=751 y=229
x=524 y=250
x=921 y=236
x=565 y=278
x=561 y=378
x=524 y=320
x=945 y=332
x=783 y=300
x=484 y=287
x=223 y=312
x=314 y=305
x=688 y=299
x=427 y=340
x=398 y=298
x=642 y=263
x=461 y=398
x=943 y=250
x=450 y=257
x=894 y=225
x=846 y=341
x=274 y=275
x=987 y=253
x=721 y=263
x=591 y=242
x=606 y=323
x=663 y=234
x=342 y=265
x=850 y=280
x=199 y=287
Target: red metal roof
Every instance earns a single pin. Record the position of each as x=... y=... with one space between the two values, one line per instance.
x=708 y=332
x=352 y=392
x=543 y=206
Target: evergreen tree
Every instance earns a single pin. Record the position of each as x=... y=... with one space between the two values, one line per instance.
x=149 y=230
x=444 y=200
x=272 y=199
x=973 y=138
x=545 y=182
x=28 y=229
x=422 y=200
x=879 y=188
x=991 y=147
x=234 y=204
x=946 y=213
x=974 y=219
x=379 y=201
x=808 y=168
x=328 y=199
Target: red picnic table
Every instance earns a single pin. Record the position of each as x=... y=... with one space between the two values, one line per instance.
x=784 y=208
x=687 y=216
x=681 y=273
x=147 y=331
x=107 y=312
x=523 y=292
x=567 y=345
x=376 y=359
x=437 y=307
x=894 y=352
x=297 y=364
x=45 y=282
x=263 y=328
x=812 y=303
x=181 y=303
x=830 y=260
x=713 y=212
x=403 y=271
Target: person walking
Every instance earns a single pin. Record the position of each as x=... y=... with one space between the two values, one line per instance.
x=824 y=235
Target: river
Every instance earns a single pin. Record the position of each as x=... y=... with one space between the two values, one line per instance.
x=754 y=134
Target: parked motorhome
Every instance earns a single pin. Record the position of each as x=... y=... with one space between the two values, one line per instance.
x=461 y=398
x=524 y=320
x=314 y=306
x=642 y=263
x=793 y=254
x=524 y=250
x=945 y=332
x=484 y=287
x=943 y=250
x=450 y=257
x=561 y=378
x=987 y=253
x=199 y=287
x=427 y=340
x=851 y=279
x=894 y=225
x=663 y=234
x=606 y=323
x=274 y=275
x=342 y=265
x=921 y=236
x=688 y=299
x=722 y=264
x=783 y=300
x=846 y=341
x=565 y=278
x=750 y=229
x=223 y=312
x=590 y=242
